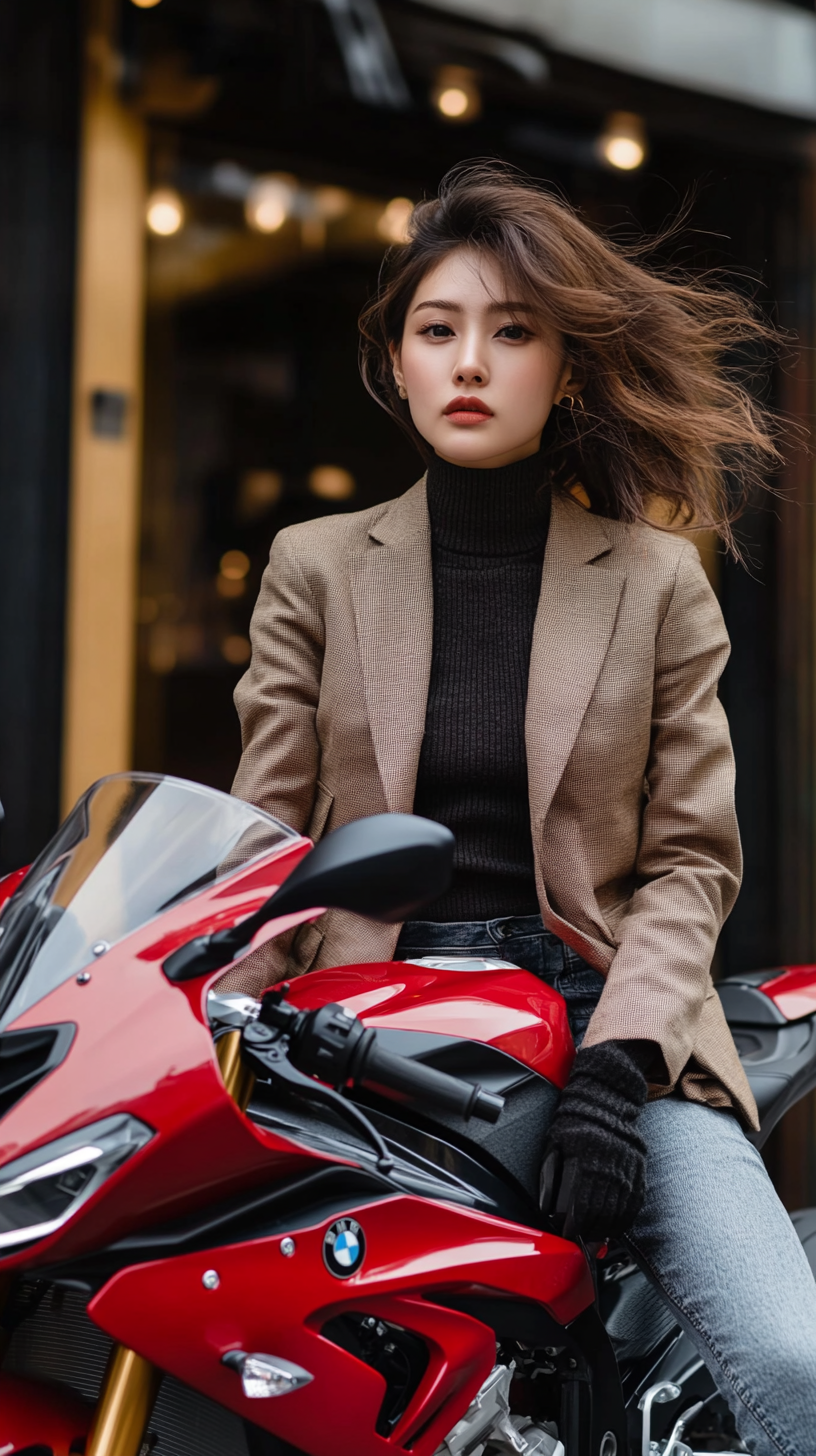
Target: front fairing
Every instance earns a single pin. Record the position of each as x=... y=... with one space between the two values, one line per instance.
x=144 y=1047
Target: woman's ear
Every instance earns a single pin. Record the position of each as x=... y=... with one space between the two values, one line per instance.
x=571 y=382
x=398 y=375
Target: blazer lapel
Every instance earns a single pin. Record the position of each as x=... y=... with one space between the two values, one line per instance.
x=392 y=588
x=576 y=615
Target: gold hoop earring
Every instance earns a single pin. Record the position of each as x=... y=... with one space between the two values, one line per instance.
x=402 y=391
x=574 y=399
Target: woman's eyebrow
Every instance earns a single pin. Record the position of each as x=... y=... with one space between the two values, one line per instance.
x=499 y=306
x=442 y=304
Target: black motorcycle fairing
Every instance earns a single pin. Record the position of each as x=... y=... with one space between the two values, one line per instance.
x=439 y=1153
x=513 y=1147
x=472 y=1061
x=513 y=1150
x=637 y=1319
x=422 y=1164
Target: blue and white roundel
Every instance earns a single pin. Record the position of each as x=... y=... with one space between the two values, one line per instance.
x=344 y=1248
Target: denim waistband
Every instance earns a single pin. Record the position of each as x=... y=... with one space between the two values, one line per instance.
x=521 y=940
x=470 y=933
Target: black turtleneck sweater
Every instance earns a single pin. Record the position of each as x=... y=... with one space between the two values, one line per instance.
x=488 y=533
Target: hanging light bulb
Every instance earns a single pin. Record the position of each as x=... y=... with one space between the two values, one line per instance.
x=622 y=143
x=165 y=212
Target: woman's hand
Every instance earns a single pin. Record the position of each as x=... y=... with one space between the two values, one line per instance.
x=594 y=1170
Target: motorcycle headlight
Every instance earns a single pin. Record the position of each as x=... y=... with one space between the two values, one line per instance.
x=42 y=1190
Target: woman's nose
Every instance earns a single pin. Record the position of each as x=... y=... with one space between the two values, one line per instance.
x=470 y=367
x=471 y=370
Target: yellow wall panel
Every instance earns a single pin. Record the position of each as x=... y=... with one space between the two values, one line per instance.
x=105 y=466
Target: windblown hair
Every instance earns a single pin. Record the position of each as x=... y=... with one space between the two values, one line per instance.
x=670 y=428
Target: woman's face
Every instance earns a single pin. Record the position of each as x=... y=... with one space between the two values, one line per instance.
x=481 y=372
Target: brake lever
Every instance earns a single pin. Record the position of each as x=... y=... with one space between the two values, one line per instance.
x=265 y=1051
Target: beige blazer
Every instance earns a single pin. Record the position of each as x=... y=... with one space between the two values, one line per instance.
x=631 y=773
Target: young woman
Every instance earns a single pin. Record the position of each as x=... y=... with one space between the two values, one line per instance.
x=512 y=649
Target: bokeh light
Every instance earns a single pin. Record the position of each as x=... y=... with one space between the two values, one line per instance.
x=456 y=93
x=332 y=482
x=236 y=649
x=623 y=141
x=269 y=203
x=258 y=491
x=165 y=212
x=332 y=202
x=393 y=224
x=234 y=565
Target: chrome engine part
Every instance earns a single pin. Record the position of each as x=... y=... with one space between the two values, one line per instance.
x=659 y=1394
x=488 y=1426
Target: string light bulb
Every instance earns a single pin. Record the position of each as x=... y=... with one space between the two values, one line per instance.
x=622 y=143
x=165 y=212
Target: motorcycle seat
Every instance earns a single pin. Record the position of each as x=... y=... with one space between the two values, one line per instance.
x=779 y=1056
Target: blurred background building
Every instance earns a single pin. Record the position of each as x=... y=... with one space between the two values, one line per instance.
x=195 y=197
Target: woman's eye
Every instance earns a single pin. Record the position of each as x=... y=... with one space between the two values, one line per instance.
x=512 y=331
x=438 y=331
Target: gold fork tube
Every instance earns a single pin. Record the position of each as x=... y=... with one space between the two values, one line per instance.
x=131 y=1383
x=237 y=1078
x=125 y=1404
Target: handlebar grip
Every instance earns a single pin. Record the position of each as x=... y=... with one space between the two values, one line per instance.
x=380 y=1068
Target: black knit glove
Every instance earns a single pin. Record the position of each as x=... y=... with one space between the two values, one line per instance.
x=593 y=1176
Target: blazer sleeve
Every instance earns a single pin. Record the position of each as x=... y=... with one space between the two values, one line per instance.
x=277 y=702
x=689 y=862
x=277 y=697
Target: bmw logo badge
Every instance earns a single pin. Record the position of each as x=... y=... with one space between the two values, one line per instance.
x=344 y=1248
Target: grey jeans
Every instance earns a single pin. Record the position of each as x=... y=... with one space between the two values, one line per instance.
x=712 y=1235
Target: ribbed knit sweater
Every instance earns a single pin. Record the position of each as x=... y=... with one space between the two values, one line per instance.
x=488 y=533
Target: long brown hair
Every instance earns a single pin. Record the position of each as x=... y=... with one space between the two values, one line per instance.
x=669 y=424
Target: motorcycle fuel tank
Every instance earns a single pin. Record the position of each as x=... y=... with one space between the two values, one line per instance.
x=502 y=1006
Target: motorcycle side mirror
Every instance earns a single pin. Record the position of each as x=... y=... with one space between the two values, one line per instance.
x=385 y=867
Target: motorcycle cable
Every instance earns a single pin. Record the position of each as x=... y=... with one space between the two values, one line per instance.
x=266 y=1051
x=331 y=1044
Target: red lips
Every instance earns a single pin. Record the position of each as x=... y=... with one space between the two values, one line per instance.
x=468 y=409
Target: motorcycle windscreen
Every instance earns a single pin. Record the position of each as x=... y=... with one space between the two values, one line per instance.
x=134 y=845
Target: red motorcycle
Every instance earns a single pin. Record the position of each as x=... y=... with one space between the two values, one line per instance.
x=307 y=1224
